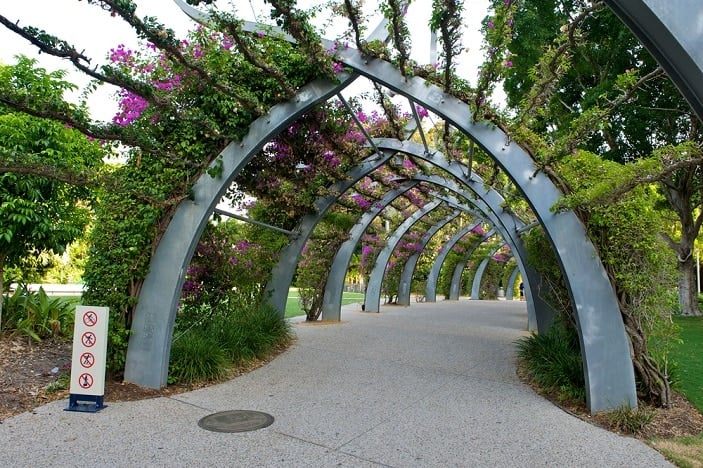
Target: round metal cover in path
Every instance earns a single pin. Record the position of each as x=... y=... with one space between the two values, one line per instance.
x=236 y=421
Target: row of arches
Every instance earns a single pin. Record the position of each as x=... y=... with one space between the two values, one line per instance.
x=607 y=366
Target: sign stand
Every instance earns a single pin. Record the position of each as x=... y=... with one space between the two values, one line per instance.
x=89 y=359
x=85 y=403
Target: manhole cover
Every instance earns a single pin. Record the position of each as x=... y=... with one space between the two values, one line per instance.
x=236 y=421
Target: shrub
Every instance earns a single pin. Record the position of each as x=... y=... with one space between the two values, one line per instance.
x=250 y=334
x=233 y=336
x=628 y=420
x=195 y=357
x=553 y=361
x=37 y=316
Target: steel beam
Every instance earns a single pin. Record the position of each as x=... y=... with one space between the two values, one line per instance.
x=607 y=364
x=510 y=287
x=276 y=292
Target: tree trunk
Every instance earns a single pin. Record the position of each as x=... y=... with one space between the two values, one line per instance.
x=688 y=287
x=655 y=384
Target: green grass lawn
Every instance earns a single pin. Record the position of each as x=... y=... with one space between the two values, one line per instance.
x=689 y=357
x=293 y=304
x=687 y=451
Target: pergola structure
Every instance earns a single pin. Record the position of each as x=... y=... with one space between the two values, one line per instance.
x=607 y=365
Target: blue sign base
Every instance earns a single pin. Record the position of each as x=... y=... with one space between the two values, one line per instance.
x=85 y=403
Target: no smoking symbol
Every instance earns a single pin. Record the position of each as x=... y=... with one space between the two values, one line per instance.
x=87 y=360
x=85 y=380
x=90 y=318
x=88 y=339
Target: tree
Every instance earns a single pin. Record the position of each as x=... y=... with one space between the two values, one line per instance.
x=630 y=110
x=41 y=213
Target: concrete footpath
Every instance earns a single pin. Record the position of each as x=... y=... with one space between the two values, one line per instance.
x=430 y=385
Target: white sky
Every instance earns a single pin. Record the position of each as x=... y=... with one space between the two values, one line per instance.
x=88 y=27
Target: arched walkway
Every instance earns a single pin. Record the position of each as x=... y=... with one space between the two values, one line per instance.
x=607 y=365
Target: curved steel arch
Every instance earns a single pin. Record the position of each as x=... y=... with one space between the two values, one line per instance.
x=372 y=298
x=152 y=328
x=510 y=287
x=607 y=364
x=282 y=275
x=673 y=34
x=490 y=202
x=478 y=275
x=332 y=299
x=406 y=275
x=433 y=277
x=608 y=370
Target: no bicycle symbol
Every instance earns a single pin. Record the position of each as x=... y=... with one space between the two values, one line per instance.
x=88 y=339
x=85 y=380
x=90 y=318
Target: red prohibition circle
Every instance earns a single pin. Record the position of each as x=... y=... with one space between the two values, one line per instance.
x=87 y=360
x=90 y=318
x=85 y=380
x=88 y=339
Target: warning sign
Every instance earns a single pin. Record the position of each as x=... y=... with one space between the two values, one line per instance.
x=89 y=351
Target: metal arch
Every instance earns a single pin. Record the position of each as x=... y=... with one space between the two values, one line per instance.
x=152 y=328
x=454 y=285
x=490 y=210
x=510 y=287
x=406 y=276
x=540 y=313
x=332 y=299
x=478 y=276
x=673 y=34
x=433 y=276
x=372 y=299
x=608 y=368
x=276 y=291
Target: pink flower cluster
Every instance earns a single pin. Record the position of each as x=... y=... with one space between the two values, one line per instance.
x=121 y=55
x=360 y=201
x=131 y=108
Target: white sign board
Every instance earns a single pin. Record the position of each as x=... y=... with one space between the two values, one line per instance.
x=89 y=351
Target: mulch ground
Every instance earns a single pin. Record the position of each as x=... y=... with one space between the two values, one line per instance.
x=29 y=369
